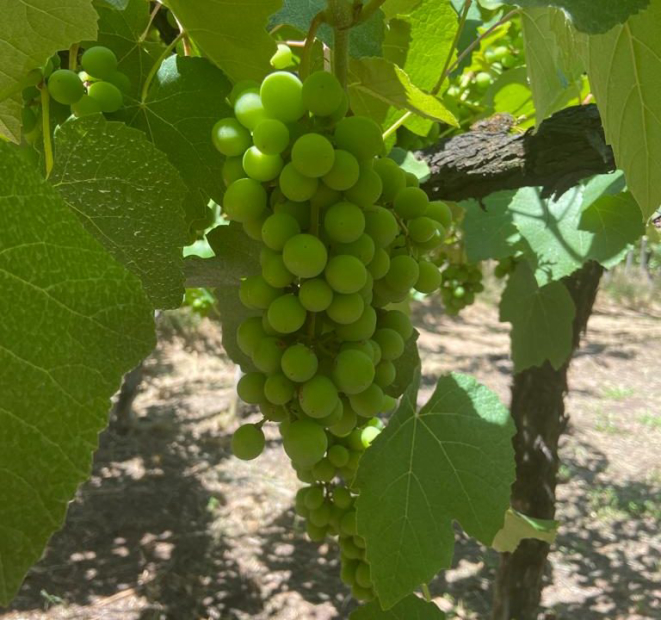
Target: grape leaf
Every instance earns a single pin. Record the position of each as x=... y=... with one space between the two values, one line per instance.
x=129 y=197
x=74 y=321
x=554 y=72
x=232 y=34
x=29 y=34
x=589 y=16
x=392 y=8
x=122 y=28
x=237 y=256
x=541 y=319
x=364 y=40
x=385 y=81
x=519 y=527
x=490 y=232
x=453 y=459
x=410 y=608
x=624 y=67
x=185 y=100
x=511 y=94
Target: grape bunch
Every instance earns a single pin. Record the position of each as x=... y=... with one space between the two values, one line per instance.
x=345 y=232
x=460 y=284
x=98 y=88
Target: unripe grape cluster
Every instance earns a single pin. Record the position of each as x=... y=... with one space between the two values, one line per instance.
x=461 y=283
x=344 y=233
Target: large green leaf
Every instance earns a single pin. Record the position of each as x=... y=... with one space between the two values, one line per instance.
x=624 y=66
x=364 y=40
x=30 y=32
x=452 y=460
x=232 y=34
x=592 y=16
x=186 y=98
x=541 y=319
x=122 y=29
x=411 y=608
x=489 y=230
x=393 y=8
x=553 y=70
x=73 y=322
x=381 y=79
x=129 y=197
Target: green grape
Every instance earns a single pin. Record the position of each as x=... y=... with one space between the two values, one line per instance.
x=100 y=62
x=389 y=404
x=271 y=136
x=318 y=397
x=403 y=273
x=274 y=413
x=65 y=86
x=421 y=229
x=31 y=93
x=509 y=61
x=353 y=372
x=282 y=96
x=278 y=389
x=345 y=274
x=391 y=343
x=241 y=87
x=346 y=424
x=335 y=416
x=459 y=292
x=305 y=443
x=286 y=314
x=248 y=109
x=369 y=434
x=380 y=264
x=299 y=363
x=365 y=347
x=341 y=495
x=364 y=595
x=249 y=333
x=348 y=572
x=324 y=197
x=367 y=189
x=345 y=172
x=299 y=501
x=348 y=525
x=359 y=135
x=305 y=256
x=411 y=202
x=256 y=293
x=300 y=211
x=412 y=180
x=232 y=170
x=483 y=80
x=120 y=80
x=107 y=95
x=260 y=166
x=316 y=534
x=314 y=498
x=268 y=355
x=346 y=309
x=324 y=471
x=283 y=57
x=313 y=155
x=369 y=401
x=344 y=222
x=440 y=212
x=278 y=229
x=362 y=329
x=296 y=186
x=339 y=456
x=381 y=225
x=31 y=80
x=393 y=179
x=244 y=200
x=275 y=272
x=321 y=516
x=430 y=277
x=362 y=248
x=84 y=107
x=250 y=388
x=315 y=295
x=322 y=93
x=253 y=227
x=397 y=320
x=363 y=575
x=248 y=442
x=230 y=137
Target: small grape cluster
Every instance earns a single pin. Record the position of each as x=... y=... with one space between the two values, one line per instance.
x=345 y=232
x=461 y=282
x=98 y=88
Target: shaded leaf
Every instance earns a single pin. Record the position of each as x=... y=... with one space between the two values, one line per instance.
x=411 y=608
x=519 y=527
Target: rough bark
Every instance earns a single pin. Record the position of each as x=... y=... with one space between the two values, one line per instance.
x=566 y=148
x=538 y=410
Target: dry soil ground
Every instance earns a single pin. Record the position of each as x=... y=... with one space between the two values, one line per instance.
x=172 y=527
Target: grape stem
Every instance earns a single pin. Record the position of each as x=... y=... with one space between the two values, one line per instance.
x=306 y=55
x=341 y=17
x=45 y=121
x=152 y=16
x=426 y=593
x=366 y=11
x=73 y=56
x=157 y=65
x=455 y=43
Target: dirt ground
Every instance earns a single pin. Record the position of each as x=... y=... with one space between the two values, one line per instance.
x=172 y=527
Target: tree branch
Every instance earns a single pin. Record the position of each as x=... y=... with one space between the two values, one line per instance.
x=568 y=147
